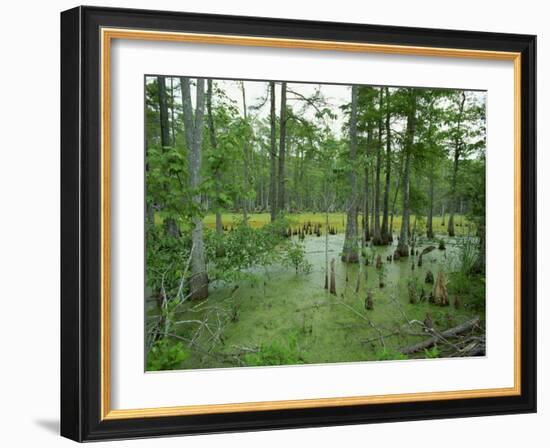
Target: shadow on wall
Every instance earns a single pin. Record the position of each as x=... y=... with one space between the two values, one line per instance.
x=51 y=426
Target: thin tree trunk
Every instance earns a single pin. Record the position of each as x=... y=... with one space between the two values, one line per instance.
x=326 y=236
x=332 y=278
x=377 y=238
x=246 y=161
x=214 y=144
x=349 y=253
x=163 y=106
x=458 y=144
x=198 y=283
x=150 y=210
x=429 y=224
x=397 y=186
x=282 y=150
x=172 y=107
x=273 y=156
x=385 y=232
x=367 y=229
x=403 y=246
x=170 y=225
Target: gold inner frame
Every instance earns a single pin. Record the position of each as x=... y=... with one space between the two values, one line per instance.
x=107 y=35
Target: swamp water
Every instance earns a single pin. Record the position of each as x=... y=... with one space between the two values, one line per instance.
x=280 y=317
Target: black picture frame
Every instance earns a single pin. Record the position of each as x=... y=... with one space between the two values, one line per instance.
x=81 y=224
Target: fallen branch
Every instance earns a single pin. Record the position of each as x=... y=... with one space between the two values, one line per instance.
x=451 y=332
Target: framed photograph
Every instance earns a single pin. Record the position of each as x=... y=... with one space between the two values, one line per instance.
x=271 y=223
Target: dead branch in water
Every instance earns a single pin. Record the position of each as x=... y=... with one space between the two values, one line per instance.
x=451 y=332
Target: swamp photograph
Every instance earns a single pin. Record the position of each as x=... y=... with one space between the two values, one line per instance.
x=293 y=223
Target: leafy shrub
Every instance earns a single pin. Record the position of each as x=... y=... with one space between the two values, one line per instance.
x=165 y=260
x=295 y=256
x=470 y=287
x=166 y=355
x=244 y=247
x=276 y=353
x=388 y=354
x=432 y=353
x=467 y=254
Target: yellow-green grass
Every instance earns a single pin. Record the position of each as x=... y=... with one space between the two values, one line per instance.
x=338 y=221
x=335 y=220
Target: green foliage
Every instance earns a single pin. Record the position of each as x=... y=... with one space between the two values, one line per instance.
x=295 y=257
x=244 y=248
x=467 y=254
x=276 y=353
x=165 y=354
x=463 y=281
x=470 y=287
x=431 y=353
x=235 y=176
x=388 y=354
x=165 y=260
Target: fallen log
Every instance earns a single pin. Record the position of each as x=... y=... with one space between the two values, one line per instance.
x=451 y=332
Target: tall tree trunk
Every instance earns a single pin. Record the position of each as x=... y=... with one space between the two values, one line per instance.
x=377 y=238
x=246 y=160
x=366 y=223
x=170 y=225
x=282 y=149
x=326 y=234
x=273 y=155
x=385 y=232
x=403 y=245
x=198 y=283
x=150 y=210
x=367 y=192
x=349 y=253
x=397 y=186
x=164 y=120
x=429 y=224
x=172 y=113
x=214 y=144
x=458 y=145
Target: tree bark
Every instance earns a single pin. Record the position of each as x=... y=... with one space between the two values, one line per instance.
x=377 y=238
x=214 y=144
x=326 y=237
x=367 y=229
x=403 y=245
x=332 y=278
x=198 y=282
x=397 y=186
x=164 y=121
x=246 y=160
x=282 y=150
x=273 y=156
x=458 y=145
x=385 y=232
x=170 y=225
x=350 y=254
x=172 y=107
x=429 y=224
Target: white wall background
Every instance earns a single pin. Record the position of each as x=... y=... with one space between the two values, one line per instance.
x=29 y=224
